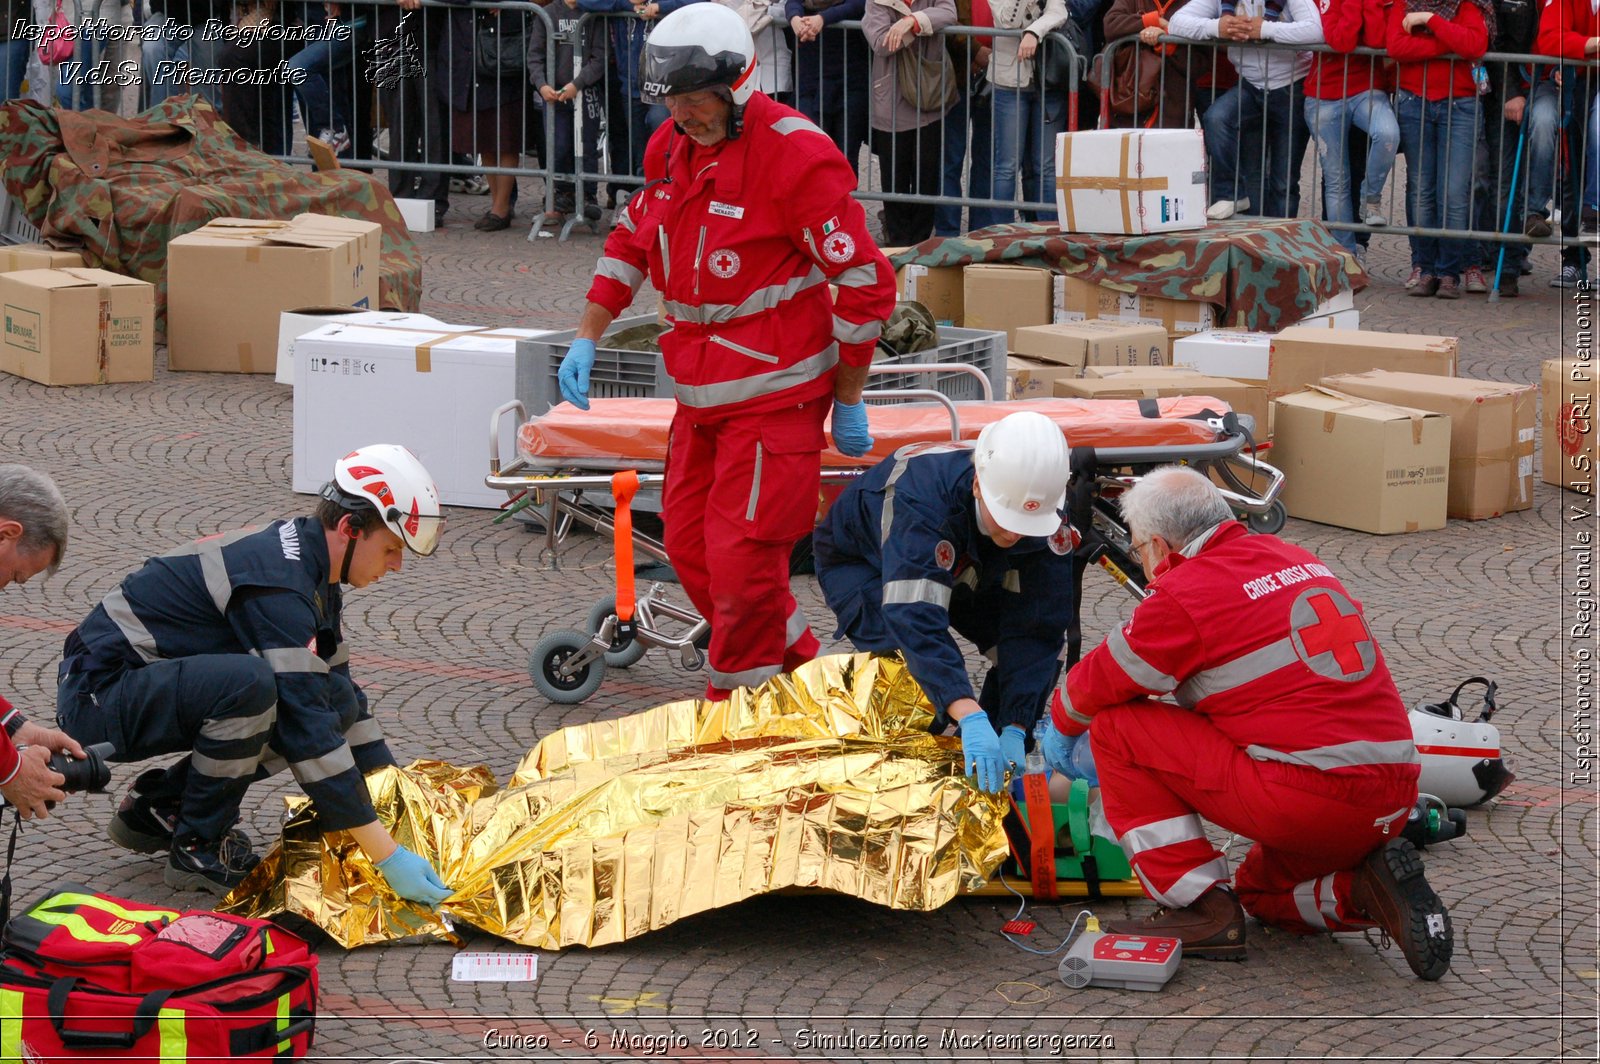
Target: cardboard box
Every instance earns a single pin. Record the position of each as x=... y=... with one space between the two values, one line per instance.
x=1093 y=343
x=1491 y=434
x=1337 y=313
x=1077 y=300
x=1131 y=181
x=1169 y=372
x=37 y=257
x=1032 y=378
x=228 y=281
x=1161 y=383
x=1361 y=464
x=417 y=213
x=1243 y=356
x=1004 y=299
x=1304 y=354
x=78 y=326
x=293 y=324
x=429 y=388
x=1567 y=424
x=939 y=288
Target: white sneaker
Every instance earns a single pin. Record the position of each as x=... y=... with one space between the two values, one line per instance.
x=1222 y=210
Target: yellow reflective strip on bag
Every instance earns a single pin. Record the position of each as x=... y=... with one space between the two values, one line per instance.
x=283 y=1022
x=79 y=928
x=10 y=1025
x=174 y=1036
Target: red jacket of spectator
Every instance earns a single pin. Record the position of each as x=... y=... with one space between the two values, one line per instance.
x=1346 y=26
x=10 y=760
x=1565 y=27
x=1261 y=638
x=1436 y=63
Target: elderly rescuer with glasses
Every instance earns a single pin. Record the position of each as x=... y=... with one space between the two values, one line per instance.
x=1287 y=730
x=747 y=215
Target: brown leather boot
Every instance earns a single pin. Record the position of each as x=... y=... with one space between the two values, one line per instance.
x=1392 y=891
x=1212 y=928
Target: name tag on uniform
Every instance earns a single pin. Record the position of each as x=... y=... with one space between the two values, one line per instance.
x=727 y=210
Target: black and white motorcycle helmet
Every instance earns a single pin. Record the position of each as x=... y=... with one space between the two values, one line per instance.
x=700 y=46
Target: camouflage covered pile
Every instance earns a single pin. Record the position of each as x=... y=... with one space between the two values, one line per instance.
x=124 y=187
x=1263 y=274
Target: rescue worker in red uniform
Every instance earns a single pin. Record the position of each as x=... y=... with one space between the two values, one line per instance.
x=746 y=217
x=1287 y=730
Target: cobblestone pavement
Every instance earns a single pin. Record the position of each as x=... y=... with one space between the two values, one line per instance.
x=441 y=648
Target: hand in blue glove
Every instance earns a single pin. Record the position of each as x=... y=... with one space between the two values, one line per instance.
x=850 y=432
x=1013 y=748
x=413 y=878
x=980 y=752
x=1058 y=752
x=574 y=375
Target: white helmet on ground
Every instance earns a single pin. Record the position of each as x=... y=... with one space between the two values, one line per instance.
x=1023 y=463
x=389 y=477
x=699 y=46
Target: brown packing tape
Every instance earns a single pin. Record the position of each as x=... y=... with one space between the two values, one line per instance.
x=244 y=352
x=1328 y=421
x=424 y=354
x=1411 y=526
x=252 y=255
x=103 y=344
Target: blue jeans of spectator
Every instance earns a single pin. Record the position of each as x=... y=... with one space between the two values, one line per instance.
x=165 y=48
x=77 y=95
x=13 y=66
x=1330 y=122
x=947 y=218
x=1591 y=158
x=1026 y=122
x=1440 y=138
x=323 y=62
x=1257 y=139
x=1553 y=108
x=1492 y=189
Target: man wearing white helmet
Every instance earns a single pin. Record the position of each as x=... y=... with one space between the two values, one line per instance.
x=230 y=650
x=964 y=536
x=747 y=217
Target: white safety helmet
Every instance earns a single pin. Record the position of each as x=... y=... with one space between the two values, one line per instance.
x=390 y=478
x=1022 y=462
x=699 y=46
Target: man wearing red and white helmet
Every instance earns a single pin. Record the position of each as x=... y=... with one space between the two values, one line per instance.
x=746 y=219
x=231 y=651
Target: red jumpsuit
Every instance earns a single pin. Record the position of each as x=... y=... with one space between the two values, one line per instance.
x=1288 y=730
x=742 y=239
x=10 y=759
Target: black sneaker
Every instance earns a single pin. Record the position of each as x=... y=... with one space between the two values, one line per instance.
x=200 y=864
x=144 y=824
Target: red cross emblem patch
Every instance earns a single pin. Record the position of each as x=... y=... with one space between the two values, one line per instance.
x=1330 y=636
x=1571 y=427
x=1065 y=539
x=724 y=262
x=839 y=247
x=944 y=555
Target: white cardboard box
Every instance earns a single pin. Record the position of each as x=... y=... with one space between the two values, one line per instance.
x=1243 y=356
x=431 y=389
x=293 y=324
x=1131 y=181
x=418 y=214
x=1337 y=313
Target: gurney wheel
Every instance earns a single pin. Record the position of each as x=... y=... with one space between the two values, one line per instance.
x=546 y=659
x=1271 y=522
x=621 y=655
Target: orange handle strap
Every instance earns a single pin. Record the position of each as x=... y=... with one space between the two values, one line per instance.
x=624 y=486
x=1042 y=832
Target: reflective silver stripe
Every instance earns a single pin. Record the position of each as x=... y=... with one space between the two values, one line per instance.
x=1236 y=673
x=215 y=572
x=908 y=592
x=272 y=762
x=847 y=332
x=1168 y=832
x=1192 y=548
x=131 y=627
x=1139 y=671
x=1330 y=901
x=293 y=659
x=795 y=628
x=237 y=768
x=902 y=459
x=857 y=277
x=618 y=270
x=1012 y=581
x=796 y=124
x=1066 y=702
x=227 y=729
x=737 y=391
x=968 y=578
x=1305 y=902
x=755 y=486
x=341 y=654
x=625 y=220
x=213 y=542
x=1192 y=884
x=1343 y=755
x=992 y=655
x=748 y=678
x=743 y=350
x=317 y=769
x=762 y=299
x=364 y=731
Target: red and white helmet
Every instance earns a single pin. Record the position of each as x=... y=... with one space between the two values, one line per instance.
x=699 y=46
x=390 y=478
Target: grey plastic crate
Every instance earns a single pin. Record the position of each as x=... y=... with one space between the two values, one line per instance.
x=640 y=374
x=14 y=225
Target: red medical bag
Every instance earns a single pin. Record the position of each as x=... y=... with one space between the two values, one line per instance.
x=88 y=976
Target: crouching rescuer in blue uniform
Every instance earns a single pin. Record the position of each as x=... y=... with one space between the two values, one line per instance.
x=230 y=650
x=971 y=537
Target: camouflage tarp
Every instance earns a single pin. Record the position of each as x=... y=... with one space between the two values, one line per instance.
x=1262 y=274
x=124 y=187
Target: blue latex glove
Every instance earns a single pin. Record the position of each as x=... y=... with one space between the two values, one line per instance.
x=1083 y=761
x=1058 y=752
x=850 y=434
x=1013 y=748
x=574 y=375
x=413 y=878
x=980 y=752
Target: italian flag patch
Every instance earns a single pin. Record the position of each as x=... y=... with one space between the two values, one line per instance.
x=830 y=225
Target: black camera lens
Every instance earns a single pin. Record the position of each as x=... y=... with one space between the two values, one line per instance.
x=91 y=773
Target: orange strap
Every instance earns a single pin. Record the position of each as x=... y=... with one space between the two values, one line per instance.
x=1042 y=833
x=624 y=486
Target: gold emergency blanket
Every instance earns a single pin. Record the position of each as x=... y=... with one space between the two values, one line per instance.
x=826 y=777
